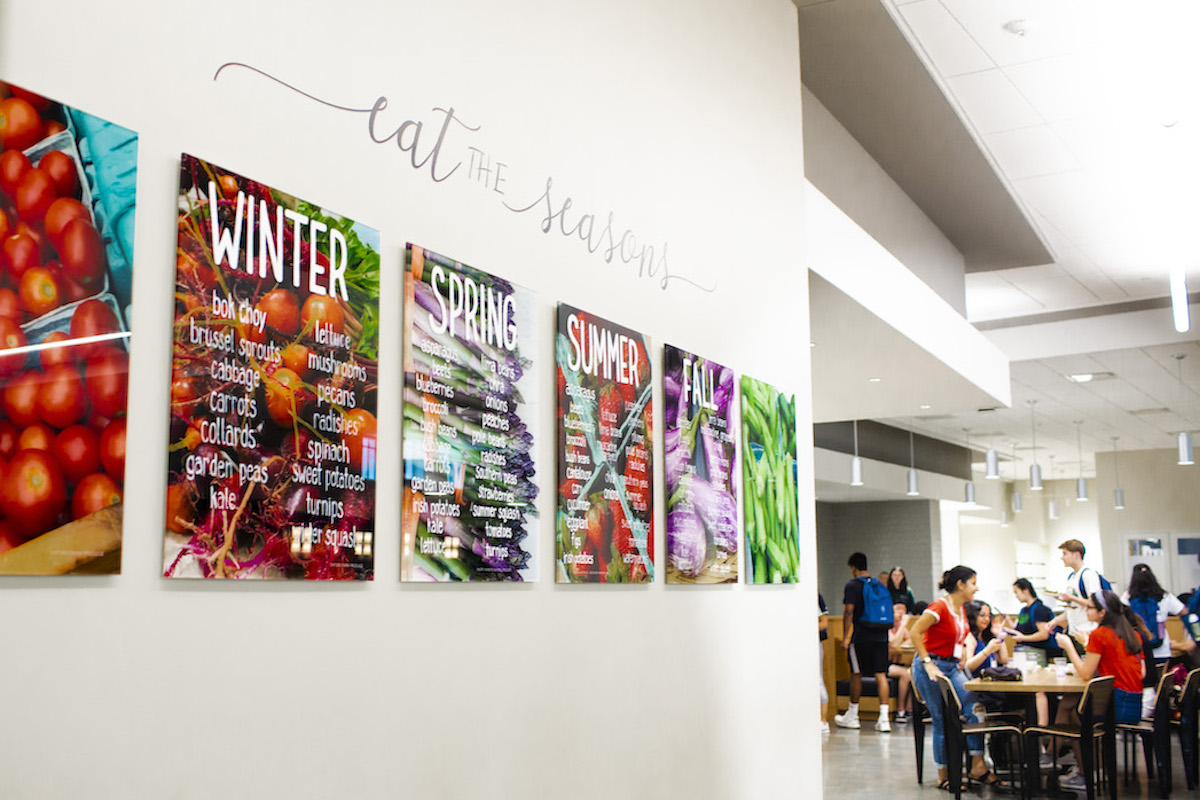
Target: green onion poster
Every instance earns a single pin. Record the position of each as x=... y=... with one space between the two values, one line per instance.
x=771 y=508
x=604 y=524
x=700 y=453
x=271 y=470
x=470 y=351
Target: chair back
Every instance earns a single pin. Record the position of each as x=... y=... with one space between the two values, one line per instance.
x=1162 y=701
x=1191 y=687
x=950 y=699
x=912 y=685
x=1097 y=699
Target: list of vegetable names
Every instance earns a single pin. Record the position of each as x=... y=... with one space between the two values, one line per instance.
x=604 y=526
x=271 y=471
x=469 y=396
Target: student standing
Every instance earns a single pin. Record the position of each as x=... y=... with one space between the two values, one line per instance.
x=866 y=644
x=1082 y=584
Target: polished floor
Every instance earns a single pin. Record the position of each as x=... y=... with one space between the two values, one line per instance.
x=867 y=764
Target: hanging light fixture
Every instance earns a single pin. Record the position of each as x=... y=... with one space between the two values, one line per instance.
x=1035 y=471
x=1080 y=484
x=856 y=462
x=1052 y=505
x=969 y=487
x=912 y=468
x=992 y=460
x=1118 y=493
x=1016 y=495
x=1185 y=437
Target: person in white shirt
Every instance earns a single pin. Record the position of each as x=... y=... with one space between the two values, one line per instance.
x=1073 y=552
x=1147 y=593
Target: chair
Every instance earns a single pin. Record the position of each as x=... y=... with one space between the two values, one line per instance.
x=1097 y=714
x=1186 y=725
x=920 y=717
x=1156 y=738
x=956 y=732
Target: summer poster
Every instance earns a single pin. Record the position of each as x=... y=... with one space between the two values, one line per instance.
x=67 y=194
x=271 y=471
x=470 y=397
x=771 y=507
x=700 y=456
x=604 y=525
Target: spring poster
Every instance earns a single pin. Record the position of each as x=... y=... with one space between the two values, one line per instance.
x=271 y=469
x=68 y=184
x=700 y=453
x=470 y=400
x=604 y=525
x=771 y=507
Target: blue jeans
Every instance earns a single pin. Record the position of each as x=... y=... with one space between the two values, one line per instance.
x=933 y=698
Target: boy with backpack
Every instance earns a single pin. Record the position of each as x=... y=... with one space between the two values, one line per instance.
x=1081 y=585
x=866 y=617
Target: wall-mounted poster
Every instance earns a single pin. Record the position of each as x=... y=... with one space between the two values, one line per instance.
x=604 y=526
x=771 y=507
x=271 y=470
x=67 y=195
x=700 y=456
x=470 y=397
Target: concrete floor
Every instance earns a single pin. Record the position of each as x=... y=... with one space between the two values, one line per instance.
x=882 y=766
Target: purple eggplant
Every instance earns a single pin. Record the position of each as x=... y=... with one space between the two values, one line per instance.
x=686 y=542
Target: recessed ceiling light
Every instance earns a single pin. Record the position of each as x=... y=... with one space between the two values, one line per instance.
x=925 y=406
x=874 y=380
x=1088 y=377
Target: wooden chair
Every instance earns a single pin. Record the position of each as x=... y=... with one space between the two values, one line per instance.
x=956 y=732
x=920 y=718
x=1155 y=734
x=1186 y=726
x=1097 y=714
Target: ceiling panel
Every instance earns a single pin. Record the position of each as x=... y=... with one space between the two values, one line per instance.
x=992 y=103
x=1059 y=88
x=946 y=43
x=1050 y=29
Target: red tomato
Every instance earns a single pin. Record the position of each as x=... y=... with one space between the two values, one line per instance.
x=8 y=440
x=282 y=310
x=20 y=398
x=112 y=449
x=40 y=104
x=295 y=358
x=60 y=212
x=39 y=291
x=92 y=318
x=54 y=126
x=53 y=353
x=61 y=169
x=11 y=336
x=20 y=125
x=5 y=225
x=13 y=166
x=322 y=308
x=38 y=234
x=94 y=492
x=35 y=492
x=10 y=305
x=81 y=251
x=72 y=292
x=281 y=388
x=35 y=193
x=360 y=430
x=77 y=450
x=9 y=538
x=36 y=437
x=19 y=252
x=61 y=399
x=106 y=378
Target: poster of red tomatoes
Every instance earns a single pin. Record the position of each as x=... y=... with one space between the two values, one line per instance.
x=271 y=472
x=604 y=526
x=67 y=195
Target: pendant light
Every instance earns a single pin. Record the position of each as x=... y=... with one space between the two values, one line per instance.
x=1118 y=493
x=856 y=462
x=1035 y=471
x=969 y=487
x=1016 y=496
x=1052 y=505
x=992 y=460
x=1185 y=437
x=912 y=468
x=1080 y=484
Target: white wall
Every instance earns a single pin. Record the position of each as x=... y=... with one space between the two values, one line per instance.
x=683 y=118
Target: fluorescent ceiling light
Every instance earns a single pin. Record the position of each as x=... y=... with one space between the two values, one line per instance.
x=1088 y=377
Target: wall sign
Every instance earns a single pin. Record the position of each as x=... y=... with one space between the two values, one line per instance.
x=271 y=472
x=771 y=507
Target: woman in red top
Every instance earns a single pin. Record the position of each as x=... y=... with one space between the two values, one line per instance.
x=938 y=637
x=1113 y=648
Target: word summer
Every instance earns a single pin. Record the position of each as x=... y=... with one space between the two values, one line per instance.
x=595 y=350
x=226 y=244
x=486 y=313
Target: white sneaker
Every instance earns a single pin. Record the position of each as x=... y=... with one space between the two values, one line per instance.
x=824 y=726
x=847 y=721
x=1073 y=782
x=883 y=725
x=901 y=717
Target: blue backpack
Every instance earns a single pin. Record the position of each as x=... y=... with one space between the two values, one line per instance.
x=1146 y=607
x=877 y=604
x=1104 y=584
